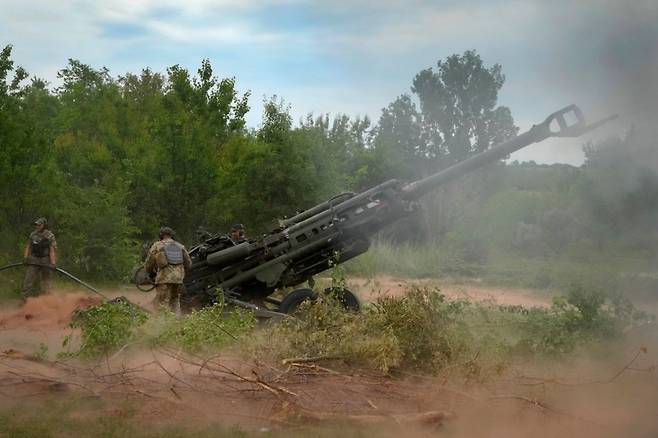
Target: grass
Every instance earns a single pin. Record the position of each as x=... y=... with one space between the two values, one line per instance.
x=410 y=261
x=64 y=417
x=109 y=326
x=424 y=332
x=11 y=282
x=635 y=276
x=88 y=417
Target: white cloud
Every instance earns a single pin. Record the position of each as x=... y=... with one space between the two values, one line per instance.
x=221 y=33
x=130 y=9
x=393 y=26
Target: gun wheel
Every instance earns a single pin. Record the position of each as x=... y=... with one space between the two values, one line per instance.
x=294 y=299
x=346 y=298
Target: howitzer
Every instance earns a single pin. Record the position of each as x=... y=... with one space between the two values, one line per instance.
x=306 y=244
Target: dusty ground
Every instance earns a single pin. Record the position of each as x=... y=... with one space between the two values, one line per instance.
x=368 y=289
x=585 y=397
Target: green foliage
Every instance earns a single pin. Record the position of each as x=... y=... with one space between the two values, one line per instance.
x=106 y=327
x=85 y=416
x=419 y=331
x=427 y=327
x=325 y=329
x=424 y=331
x=205 y=330
x=338 y=280
x=97 y=235
x=458 y=117
x=109 y=326
x=433 y=259
x=586 y=315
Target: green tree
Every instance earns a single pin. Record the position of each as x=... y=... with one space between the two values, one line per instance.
x=173 y=169
x=458 y=104
x=340 y=147
x=28 y=176
x=397 y=147
x=269 y=175
x=458 y=117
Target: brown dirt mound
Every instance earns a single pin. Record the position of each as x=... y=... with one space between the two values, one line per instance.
x=53 y=310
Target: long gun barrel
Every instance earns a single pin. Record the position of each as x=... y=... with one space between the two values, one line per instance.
x=555 y=125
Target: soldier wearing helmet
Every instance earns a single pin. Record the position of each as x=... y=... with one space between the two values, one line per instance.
x=168 y=260
x=237 y=234
x=41 y=255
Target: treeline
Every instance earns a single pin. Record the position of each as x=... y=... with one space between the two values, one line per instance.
x=110 y=159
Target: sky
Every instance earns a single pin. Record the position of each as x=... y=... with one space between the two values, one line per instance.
x=356 y=56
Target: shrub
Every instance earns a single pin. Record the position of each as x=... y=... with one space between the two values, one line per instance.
x=419 y=331
x=323 y=329
x=204 y=330
x=111 y=325
x=428 y=329
x=106 y=327
x=585 y=315
x=425 y=332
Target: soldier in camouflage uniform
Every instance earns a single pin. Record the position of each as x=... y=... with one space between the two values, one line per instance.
x=41 y=249
x=168 y=260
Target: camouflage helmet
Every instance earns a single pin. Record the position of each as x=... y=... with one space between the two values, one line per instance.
x=41 y=221
x=237 y=226
x=166 y=231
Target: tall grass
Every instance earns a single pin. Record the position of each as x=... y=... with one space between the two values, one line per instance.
x=636 y=275
x=414 y=261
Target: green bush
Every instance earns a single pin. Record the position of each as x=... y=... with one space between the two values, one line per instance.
x=419 y=331
x=106 y=327
x=430 y=330
x=323 y=329
x=586 y=315
x=204 y=330
x=425 y=332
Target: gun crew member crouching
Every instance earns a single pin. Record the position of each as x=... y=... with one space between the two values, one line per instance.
x=168 y=260
x=41 y=249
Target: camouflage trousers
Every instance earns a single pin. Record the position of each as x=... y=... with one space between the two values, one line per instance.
x=168 y=294
x=37 y=278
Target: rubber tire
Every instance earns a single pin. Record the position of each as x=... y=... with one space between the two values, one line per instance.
x=347 y=299
x=292 y=301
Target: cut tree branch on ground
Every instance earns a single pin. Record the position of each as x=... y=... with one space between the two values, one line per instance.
x=308 y=359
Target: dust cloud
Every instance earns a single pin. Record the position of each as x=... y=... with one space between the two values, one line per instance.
x=50 y=311
x=605 y=55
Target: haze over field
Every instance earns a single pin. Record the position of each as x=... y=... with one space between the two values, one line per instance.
x=356 y=57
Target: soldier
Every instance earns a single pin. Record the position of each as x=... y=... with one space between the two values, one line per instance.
x=237 y=233
x=41 y=249
x=168 y=260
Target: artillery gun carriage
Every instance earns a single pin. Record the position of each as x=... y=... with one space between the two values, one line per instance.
x=249 y=272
